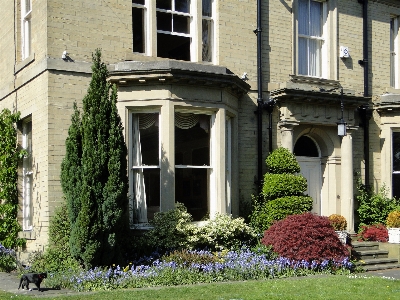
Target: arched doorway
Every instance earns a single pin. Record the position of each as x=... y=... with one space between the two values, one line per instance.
x=309 y=157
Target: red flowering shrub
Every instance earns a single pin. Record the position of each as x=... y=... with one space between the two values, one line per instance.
x=306 y=236
x=375 y=233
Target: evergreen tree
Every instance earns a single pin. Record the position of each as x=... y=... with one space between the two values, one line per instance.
x=94 y=177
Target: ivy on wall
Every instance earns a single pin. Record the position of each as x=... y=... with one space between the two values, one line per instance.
x=10 y=154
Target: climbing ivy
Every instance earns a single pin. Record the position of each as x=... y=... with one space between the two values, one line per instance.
x=10 y=154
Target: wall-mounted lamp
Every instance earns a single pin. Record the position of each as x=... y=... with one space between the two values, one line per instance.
x=64 y=55
x=341 y=124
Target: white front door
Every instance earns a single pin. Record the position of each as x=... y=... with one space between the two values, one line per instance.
x=310 y=168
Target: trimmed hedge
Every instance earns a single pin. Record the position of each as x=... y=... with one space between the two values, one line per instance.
x=282 y=185
x=279 y=209
x=282 y=161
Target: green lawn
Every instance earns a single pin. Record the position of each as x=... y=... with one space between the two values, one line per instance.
x=318 y=287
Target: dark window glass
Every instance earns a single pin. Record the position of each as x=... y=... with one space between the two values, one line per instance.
x=206 y=8
x=305 y=147
x=396 y=151
x=164 y=21
x=172 y=46
x=138 y=2
x=181 y=24
x=138 y=29
x=164 y=4
x=182 y=6
x=206 y=40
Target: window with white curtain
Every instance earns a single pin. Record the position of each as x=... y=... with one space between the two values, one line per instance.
x=312 y=38
x=394 y=53
x=396 y=164
x=145 y=166
x=27 y=175
x=176 y=29
x=26 y=15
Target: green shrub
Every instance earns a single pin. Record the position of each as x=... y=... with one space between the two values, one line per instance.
x=282 y=161
x=187 y=257
x=171 y=230
x=57 y=256
x=373 y=208
x=281 y=185
x=266 y=214
x=393 y=219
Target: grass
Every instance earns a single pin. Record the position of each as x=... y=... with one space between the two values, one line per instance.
x=314 y=287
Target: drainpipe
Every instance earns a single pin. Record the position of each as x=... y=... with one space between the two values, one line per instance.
x=259 y=98
x=365 y=114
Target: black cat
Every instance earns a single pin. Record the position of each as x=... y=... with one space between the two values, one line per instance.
x=35 y=278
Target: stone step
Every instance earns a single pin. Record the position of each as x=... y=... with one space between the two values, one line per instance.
x=365 y=246
x=371 y=254
x=378 y=263
x=381 y=267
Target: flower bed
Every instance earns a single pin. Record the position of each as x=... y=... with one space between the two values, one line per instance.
x=225 y=266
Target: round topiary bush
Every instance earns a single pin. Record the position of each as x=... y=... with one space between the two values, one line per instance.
x=282 y=161
x=306 y=236
x=282 y=185
x=338 y=222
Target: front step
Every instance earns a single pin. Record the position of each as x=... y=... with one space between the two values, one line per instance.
x=370 y=258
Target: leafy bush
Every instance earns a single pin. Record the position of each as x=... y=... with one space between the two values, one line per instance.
x=188 y=257
x=8 y=259
x=282 y=185
x=282 y=161
x=10 y=155
x=171 y=230
x=338 y=222
x=374 y=232
x=57 y=256
x=374 y=208
x=225 y=232
x=305 y=237
x=393 y=219
x=266 y=214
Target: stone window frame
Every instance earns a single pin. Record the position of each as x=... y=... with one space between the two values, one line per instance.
x=26 y=28
x=329 y=52
x=215 y=172
x=394 y=52
x=197 y=18
x=27 y=175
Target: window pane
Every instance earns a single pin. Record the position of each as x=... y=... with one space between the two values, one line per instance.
x=191 y=189
x=396 y=151
x=181 y=24
x=315 y=57
x=316 y=18
x=303 y=17
x=396 y=186
x=138 y=2
x=206 y=36
x=138 y=29
x=303 y=56
x=146 y=141
x=146 y=188
x=207 y=8
x=164 y=21
x=182 y=6
x=192 y=138
x=172 y=46
x=164 y=4
x=27 y=5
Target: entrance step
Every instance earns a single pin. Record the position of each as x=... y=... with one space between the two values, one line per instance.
x=371 y=258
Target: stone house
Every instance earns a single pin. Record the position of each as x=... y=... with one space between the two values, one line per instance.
x=206 y=89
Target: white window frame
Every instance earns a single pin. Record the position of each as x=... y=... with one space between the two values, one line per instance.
x=195 y=28
x=328 y=55
x=394 y=52
x=26 y=24
x=27 y=177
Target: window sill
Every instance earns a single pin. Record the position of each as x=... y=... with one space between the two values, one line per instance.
x=314 y=80
x=19 y=66
x=28 y=235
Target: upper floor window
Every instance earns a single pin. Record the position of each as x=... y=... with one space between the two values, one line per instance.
x=394 y=53
x=310 y=37
x=26 y=14
x=176 y=29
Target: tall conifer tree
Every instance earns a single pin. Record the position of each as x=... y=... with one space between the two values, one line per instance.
x=94 y=177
